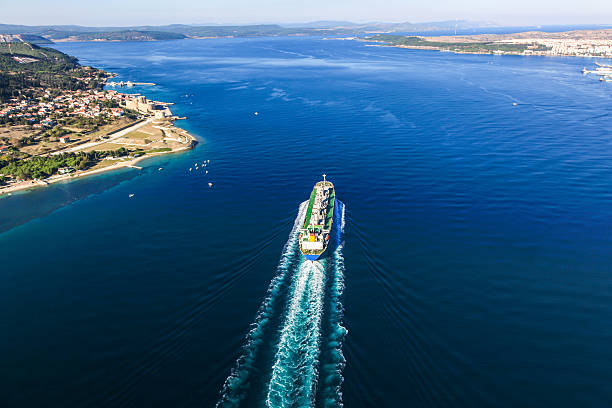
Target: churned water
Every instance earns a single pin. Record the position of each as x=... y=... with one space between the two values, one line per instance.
x=474 y=266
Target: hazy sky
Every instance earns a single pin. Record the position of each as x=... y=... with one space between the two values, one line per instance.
x=140 y=12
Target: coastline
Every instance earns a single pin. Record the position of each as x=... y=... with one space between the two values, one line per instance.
x=577 y=43
x=25 y=185
x=32 y=184
x=430 y=48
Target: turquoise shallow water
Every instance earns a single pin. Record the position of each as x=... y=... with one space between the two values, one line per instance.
x=474 y=268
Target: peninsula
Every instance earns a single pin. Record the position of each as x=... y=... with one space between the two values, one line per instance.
x=580 y=43
x=57 y=122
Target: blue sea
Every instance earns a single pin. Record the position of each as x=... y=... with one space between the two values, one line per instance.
x=471 y=263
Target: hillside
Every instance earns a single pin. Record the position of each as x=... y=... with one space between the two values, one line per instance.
x=27 y=70
x=38 y=58
x=315 y=28
x=128 y=35
x=31 y=38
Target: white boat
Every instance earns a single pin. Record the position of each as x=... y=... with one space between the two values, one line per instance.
x=603 y=71
x=131 y=195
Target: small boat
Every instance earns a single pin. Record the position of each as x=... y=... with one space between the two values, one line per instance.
x=190 y=169
x=160 y=169
x=209 y=184
x=256 y=113
x=514 y=103
x=131 y=195
x=206 y=171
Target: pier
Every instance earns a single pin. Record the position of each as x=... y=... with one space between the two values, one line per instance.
x=130 y=83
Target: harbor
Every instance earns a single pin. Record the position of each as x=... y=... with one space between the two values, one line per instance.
x=602 y=70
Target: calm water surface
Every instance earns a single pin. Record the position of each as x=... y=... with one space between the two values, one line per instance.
x=474 y=268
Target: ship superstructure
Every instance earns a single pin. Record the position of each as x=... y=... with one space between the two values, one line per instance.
x=315 y=233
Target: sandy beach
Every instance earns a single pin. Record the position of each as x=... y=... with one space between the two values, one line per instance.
x=30 y=184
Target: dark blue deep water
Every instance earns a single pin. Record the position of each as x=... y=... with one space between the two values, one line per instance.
x=474 y=269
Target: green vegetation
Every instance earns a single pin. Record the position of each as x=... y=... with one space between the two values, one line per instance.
x=168 y=32
x=26 y=141
x=35 y=51
x=128 y=35
x=110 y=104
x=258 y=30
x=35 y=39
x=84 y=123
x=43 y=167
x=159 y=150
x=468 y=47
x=52 y=70
x=55 y=133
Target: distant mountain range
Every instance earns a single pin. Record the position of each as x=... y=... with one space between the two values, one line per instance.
x=178 y=31
x=42 y=34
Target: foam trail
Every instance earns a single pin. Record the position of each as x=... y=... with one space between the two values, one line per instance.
x=294 y=374
x=236 y=385
x=334 y=361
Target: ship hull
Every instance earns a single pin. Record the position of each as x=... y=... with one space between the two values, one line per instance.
x=313 y=257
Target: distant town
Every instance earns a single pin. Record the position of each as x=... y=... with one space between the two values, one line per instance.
x=582 y=43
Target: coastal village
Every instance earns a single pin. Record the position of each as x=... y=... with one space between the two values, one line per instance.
x=567 y=47
x=84 y=121
x=581 y=43
x=89 y=103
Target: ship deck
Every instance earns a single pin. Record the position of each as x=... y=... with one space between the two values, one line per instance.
x=319 y=214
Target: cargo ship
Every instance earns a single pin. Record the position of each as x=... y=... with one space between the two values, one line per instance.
x=315 y=233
